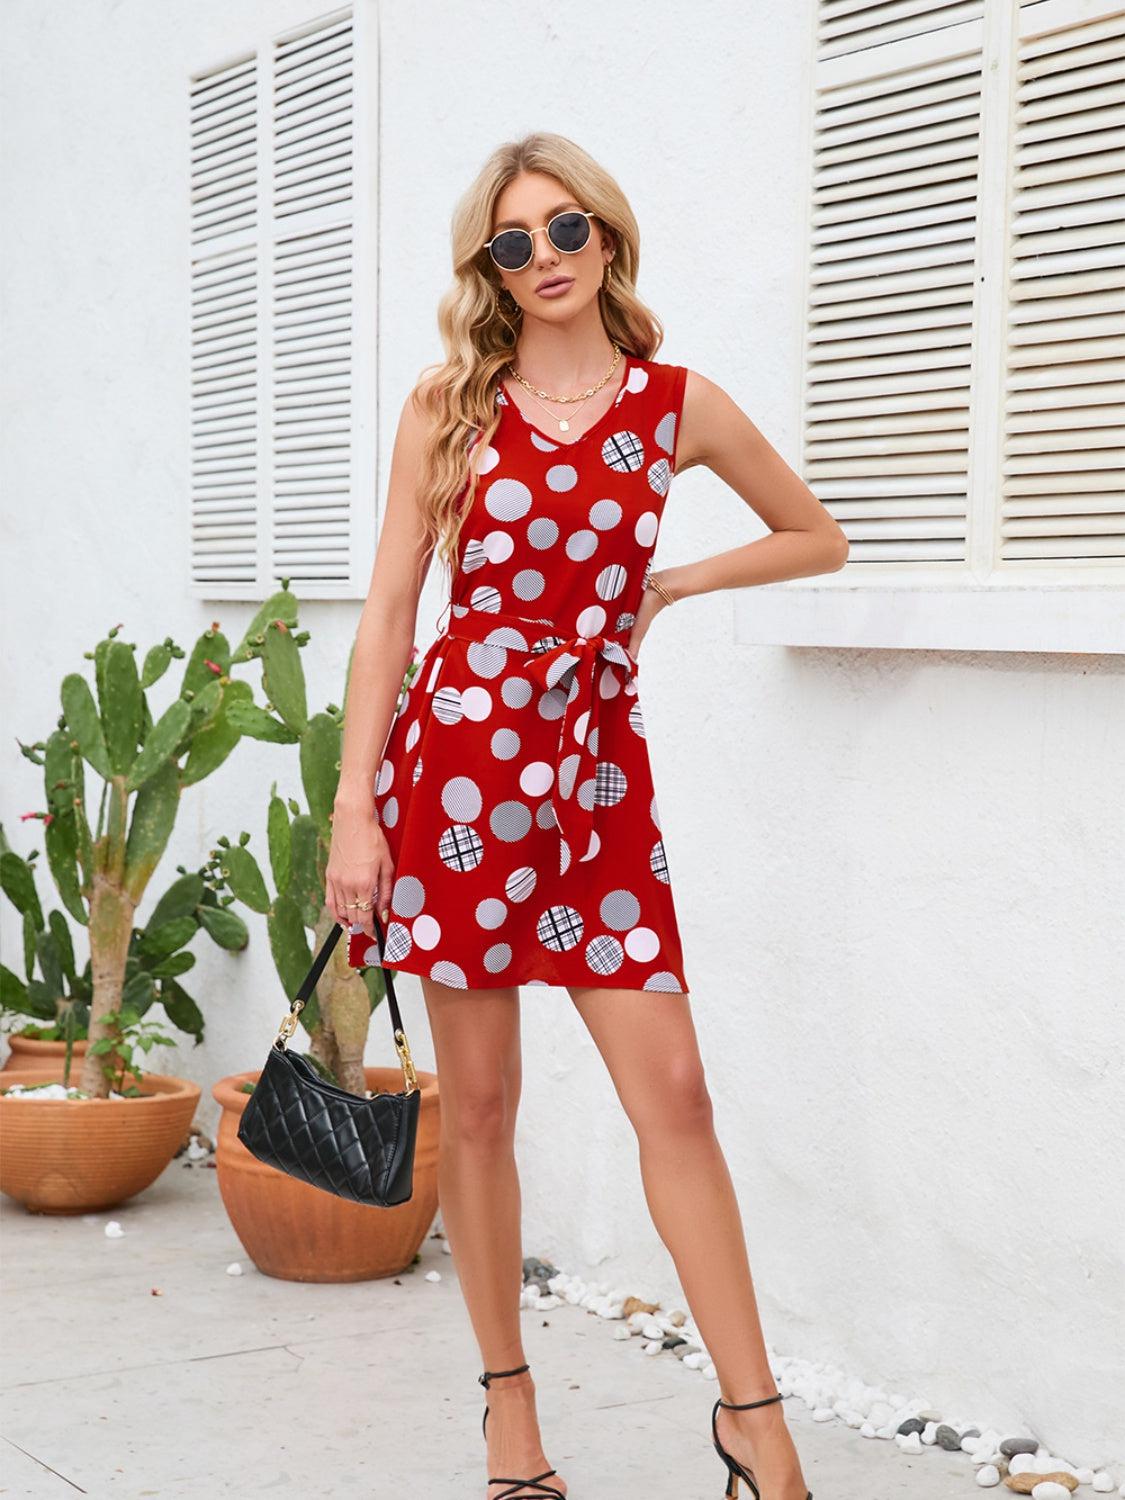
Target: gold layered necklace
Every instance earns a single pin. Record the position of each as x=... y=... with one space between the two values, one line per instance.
x=582 y=397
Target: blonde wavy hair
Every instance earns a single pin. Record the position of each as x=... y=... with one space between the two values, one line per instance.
x=479 y=332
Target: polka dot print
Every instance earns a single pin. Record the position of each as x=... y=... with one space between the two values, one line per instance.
x=515 y=790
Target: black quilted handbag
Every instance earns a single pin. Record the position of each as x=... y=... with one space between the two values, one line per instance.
x=358 y=1146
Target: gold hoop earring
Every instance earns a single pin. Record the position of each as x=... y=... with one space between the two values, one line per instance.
x=606 y=280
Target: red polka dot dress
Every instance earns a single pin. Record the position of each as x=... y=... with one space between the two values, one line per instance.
x=515 y=789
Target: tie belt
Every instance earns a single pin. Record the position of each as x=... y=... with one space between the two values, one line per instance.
x=548 y=652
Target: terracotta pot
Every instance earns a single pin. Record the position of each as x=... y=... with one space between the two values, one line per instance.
x=298 y=1232
x=30 y=1052
x=70 y=1156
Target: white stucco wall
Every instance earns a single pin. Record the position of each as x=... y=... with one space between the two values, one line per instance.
x=898 y=874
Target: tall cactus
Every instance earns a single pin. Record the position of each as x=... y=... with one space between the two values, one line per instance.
x=102 y=872
x=338 y=1015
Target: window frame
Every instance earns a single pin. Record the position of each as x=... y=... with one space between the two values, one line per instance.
x=981 y=603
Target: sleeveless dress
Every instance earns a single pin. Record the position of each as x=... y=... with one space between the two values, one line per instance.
x=515 y=790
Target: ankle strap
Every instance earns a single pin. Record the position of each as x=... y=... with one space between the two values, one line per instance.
x=745 y=1405
x=495 y=1374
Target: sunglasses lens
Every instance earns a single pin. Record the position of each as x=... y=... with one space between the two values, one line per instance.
x=569 y=231
x=511 y=250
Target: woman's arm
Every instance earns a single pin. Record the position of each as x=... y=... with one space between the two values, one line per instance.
x=359 y=864
x=804 y=538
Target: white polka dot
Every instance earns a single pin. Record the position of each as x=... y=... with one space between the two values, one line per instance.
x=611 y=581
x=485 y=459
x=507 y=499
x=605 y=514
x=461 y=798
x=498 y=546
x=486 y=598
x=491 y=912
x=562 y=477
x=581 y=545
x=426 y=932
x=385 y=777
x=591 y=621
x=529 y=583
x=536 y=778
x=666 y=432
x=646 y=528
x=476 y=703
x=641 y=943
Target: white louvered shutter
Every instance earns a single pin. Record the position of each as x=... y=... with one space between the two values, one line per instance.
x=889 y=362
x=1064 y=456
x=286 y=488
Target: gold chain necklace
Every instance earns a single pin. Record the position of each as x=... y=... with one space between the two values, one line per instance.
x=581 y=398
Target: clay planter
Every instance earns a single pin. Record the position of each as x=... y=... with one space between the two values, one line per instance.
x=70 y=1156
x=298 y=1232
x=29 y=1052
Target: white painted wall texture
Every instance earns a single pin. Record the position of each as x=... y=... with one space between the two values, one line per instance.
x=899 y=874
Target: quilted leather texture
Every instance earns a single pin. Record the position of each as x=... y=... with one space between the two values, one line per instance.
x=358 y=1148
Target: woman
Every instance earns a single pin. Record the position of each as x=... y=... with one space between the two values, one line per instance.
x=513 y=834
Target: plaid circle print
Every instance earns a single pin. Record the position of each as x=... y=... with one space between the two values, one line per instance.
x=515 y=790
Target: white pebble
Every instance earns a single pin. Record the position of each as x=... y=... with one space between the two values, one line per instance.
x=1084 y=1476
x=1050 y=1489
x=824 y=1414
x=234 y=1269
x=1101 y=1483
x=867 y=1430
x=694 y=1361
x=113 y=1230
x=622 y=1333
x=196 y=1151
x=612 y=1310
x=546 y=1303
x=710 y=1373
x=929 y=1433
x=1023 y=1463
x=433 y=1275
x=988 y=1475
x=909 y=1442
x=653 y=1346
x=446 y=1248
x=652 y=1330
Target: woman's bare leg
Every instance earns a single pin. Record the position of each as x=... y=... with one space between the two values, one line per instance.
x=649 y=1044
x=477 y=1049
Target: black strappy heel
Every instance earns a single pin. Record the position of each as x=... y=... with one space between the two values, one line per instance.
x=735 y=1471
x=522 y=1489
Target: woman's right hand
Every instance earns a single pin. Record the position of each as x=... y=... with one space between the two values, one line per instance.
x=360 y=867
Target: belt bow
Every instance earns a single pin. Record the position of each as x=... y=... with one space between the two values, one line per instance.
x=578 y=791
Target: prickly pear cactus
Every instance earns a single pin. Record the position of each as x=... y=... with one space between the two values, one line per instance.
x=102 y=866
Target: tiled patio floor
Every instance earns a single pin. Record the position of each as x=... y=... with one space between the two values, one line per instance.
x=247 y=1386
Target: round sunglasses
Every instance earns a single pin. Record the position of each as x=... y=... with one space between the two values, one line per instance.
x=569 y=232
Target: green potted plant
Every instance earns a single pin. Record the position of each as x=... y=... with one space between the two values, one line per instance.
x=101 y=1143
x=288 y=1228
x=45 y=1014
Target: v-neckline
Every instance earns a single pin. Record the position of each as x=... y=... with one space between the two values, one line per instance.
x=557 y=442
